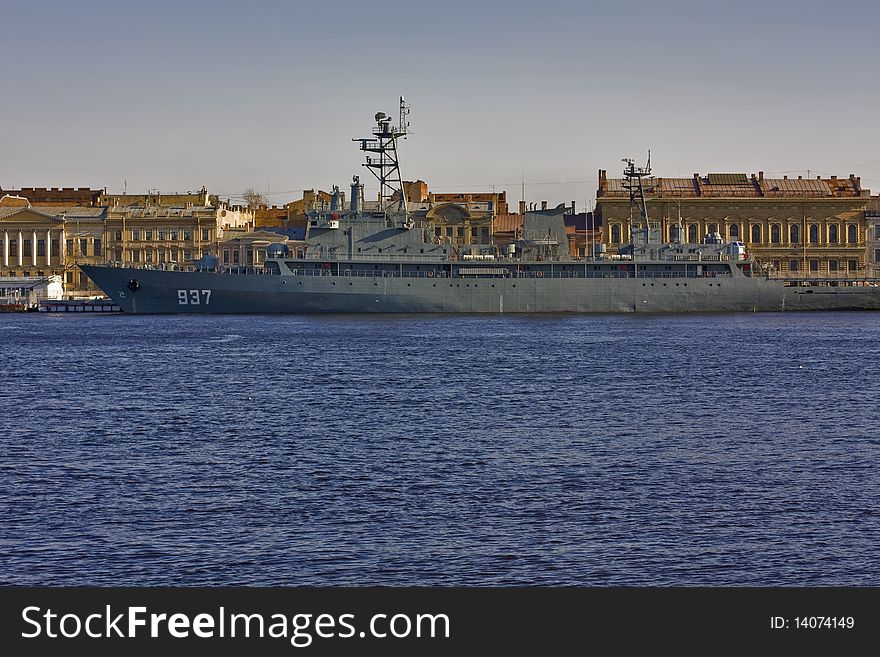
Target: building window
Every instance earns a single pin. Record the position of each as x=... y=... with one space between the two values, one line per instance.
x=83 y=245
x=756 y=234
x=226 y=256
x=118 y=235
x=877 y=232
x=69 y=247
x=814 y=233
x=135 y=236
x=41 y=248
x=135 y=256
x=235 y=257
x=794 y=265
x=832 y=265
x=187 y=236
x=852 y=234
x=56 y=245
x=692 y=233
x=187 y=255
x=794 y=233
x=68 y=277
x=775 y=233
x=777 y=265
x=206 y=235
x=25 y=247
x=13 y=247
x=876 y=255
x=713 y=228
x=814 y=265
x=615 y=234
x=833 y=235
x=161 y=235
x=734 y=231
x=173 y=235
x=96 y=245
x=148 y=235
x=852 y=265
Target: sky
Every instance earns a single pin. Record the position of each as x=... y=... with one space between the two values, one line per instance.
x=510 y=95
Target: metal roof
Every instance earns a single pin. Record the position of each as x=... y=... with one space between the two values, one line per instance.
x=727 y=179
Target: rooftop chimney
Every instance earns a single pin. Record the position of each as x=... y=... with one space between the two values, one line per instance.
x=543 y=205
x=761 y=176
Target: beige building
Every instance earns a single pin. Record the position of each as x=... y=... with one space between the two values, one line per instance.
x=176 y=199
x=167 y=235
x=248 y=248
x=45 y=241
x=792 y=226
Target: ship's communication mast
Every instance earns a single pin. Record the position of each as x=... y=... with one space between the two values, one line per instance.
x=638 y=180
x=385 y=165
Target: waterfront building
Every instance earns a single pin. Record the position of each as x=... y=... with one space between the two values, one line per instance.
x=49 y=240
x=245 y=248
x=167 y=235
x=45 y=240
x=156 y=198
x=793 y=226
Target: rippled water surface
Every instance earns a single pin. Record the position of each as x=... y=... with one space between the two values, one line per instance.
x=718 y=450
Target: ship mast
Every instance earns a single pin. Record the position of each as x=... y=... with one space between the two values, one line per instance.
x=386 y=167
x=645 y=231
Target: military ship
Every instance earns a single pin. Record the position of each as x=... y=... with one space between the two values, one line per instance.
x=379 y=258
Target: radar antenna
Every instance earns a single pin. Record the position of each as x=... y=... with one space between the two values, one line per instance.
x=386 y=167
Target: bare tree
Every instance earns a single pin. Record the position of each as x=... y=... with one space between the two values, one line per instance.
x=253 y=198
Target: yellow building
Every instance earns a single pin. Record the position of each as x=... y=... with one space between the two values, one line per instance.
x=242 y=248
x=45 y=241
x=169 y=236
x=792 y=226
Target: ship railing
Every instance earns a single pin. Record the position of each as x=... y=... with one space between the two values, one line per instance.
x=225 y=269
x=510 y=273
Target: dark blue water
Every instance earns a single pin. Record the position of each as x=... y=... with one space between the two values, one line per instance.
x=717 y=450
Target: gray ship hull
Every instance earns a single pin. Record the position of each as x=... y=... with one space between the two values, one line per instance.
x=216 y=293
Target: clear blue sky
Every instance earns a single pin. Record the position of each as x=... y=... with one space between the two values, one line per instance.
x=176 y=95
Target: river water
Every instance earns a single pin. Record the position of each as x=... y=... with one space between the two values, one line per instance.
x=736 y=449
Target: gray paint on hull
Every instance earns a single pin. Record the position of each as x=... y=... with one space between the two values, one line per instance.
x=240 y=293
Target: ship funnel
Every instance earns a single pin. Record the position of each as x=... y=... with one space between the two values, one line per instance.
x=334 y=199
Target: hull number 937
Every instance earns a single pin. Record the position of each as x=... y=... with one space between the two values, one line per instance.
x=193 y=297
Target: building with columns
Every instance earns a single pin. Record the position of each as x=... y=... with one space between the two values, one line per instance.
x=792 y=226
x=45 y=241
